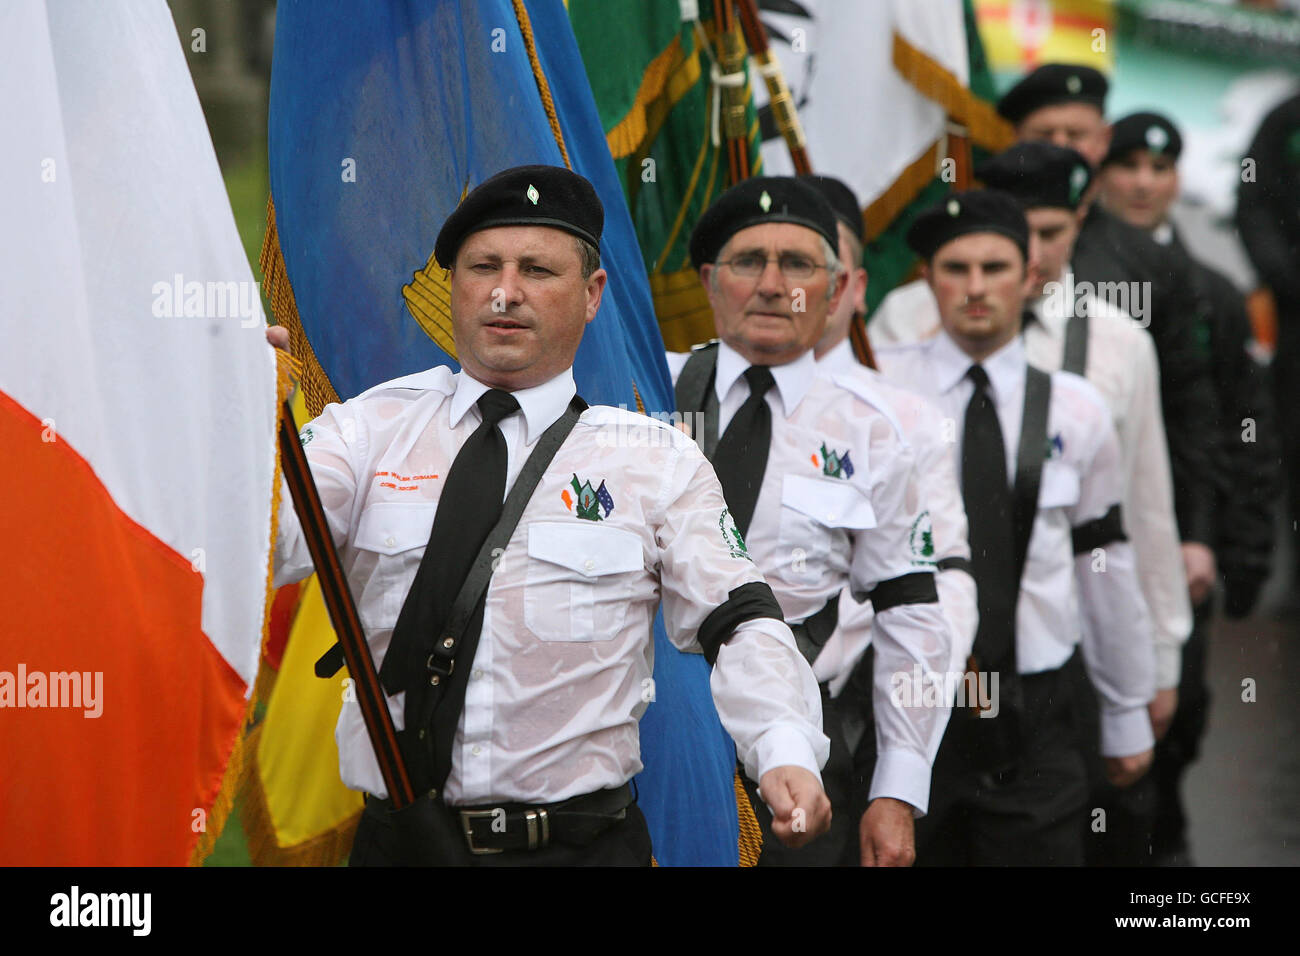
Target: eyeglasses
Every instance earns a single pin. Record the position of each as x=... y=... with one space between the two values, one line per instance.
x=750 y=265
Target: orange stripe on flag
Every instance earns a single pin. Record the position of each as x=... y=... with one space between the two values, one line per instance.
x=90 y=590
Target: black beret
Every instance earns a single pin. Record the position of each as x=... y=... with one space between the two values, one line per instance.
x=757 y=201
x=524 y=196
x=1054 y=83
x=1149 y=131
x=843 y=203
x=976 y=210
x=1038 y=174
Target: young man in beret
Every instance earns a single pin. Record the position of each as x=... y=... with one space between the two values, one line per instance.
x=821 y=485
x=528 y=738
x=1041 y=479
x=846 y=662
x=1139 y=183
x=1065 y=104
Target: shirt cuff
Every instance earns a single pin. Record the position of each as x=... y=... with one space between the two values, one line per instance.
x=1126 y=732
x=785 y=747
x=902 y=775
x=1169 y=666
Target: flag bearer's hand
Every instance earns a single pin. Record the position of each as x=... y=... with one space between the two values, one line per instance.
x=801 y=811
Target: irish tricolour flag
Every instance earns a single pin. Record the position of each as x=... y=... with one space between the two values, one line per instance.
x=137 y=453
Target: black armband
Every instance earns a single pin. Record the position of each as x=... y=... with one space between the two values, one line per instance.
x=956 y=564
x=1099 y=533
x=915 y=588
x=745 y=603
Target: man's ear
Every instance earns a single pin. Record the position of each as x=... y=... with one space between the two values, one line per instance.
x=595 y=289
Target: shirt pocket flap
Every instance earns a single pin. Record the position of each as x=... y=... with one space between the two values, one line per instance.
x=834 y=503
x=1059 y=486
x=391 y=527
x=589 y=549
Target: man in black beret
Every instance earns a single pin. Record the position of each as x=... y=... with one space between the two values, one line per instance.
x=1041 y=480
x=519 y=726
x=1139 y=184
x=1151 y=284
x=823 y=489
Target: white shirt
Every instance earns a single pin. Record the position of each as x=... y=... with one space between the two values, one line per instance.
x=1122 y=365
x=1081 y=480
x=931 y=438
x=813 y=534
x=562 y=672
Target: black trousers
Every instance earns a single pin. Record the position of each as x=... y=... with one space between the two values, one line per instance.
x=1025 y=816
x=626 y=843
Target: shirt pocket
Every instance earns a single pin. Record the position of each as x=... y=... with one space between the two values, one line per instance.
x=394 y=534
x=581 y=578
x=1059 y=486
x=814 y=511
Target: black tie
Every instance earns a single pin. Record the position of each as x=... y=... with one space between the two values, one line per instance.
x=988 y=500
x=741 y=456
x=468 y=508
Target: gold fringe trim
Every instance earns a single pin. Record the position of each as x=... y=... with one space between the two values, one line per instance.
x=751 y=835
x=932 y=79
x=544 y=88
x=878 y=216
x=286 y=369
x=316 y=387
x=328 y=848
x=626 y=136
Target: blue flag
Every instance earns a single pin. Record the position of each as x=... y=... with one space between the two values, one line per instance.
x=379 y=124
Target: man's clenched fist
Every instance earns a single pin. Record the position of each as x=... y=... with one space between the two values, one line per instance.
x=801 y=811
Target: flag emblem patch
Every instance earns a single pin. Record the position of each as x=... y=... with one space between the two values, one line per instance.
x=587 y=502
x=834 y=464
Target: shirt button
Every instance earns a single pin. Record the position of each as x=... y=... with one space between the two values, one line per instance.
x=832 y=516
x=589 y=564
x=478 y=673
x=390 y=541
x=477 y=750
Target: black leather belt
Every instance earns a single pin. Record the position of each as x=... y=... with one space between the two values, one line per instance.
x=517 y=826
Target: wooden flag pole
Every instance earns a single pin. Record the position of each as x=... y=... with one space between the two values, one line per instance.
x=731 y=63
x=343 y=614
x=778 y=91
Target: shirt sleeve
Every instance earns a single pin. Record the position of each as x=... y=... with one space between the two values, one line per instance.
x=1117 y=643
x=1151 y=521
x=331 y=444
x=763 y=688
x=907 y=636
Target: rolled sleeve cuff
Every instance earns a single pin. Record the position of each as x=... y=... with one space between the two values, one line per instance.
x=787 y=747
x=1126 y=732
x=902 y=775
x=1169 y=666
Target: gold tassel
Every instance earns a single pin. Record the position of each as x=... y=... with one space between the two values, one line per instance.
x=751 y=835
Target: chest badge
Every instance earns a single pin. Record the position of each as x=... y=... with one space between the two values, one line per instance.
x=833 y=464
x=586 y=501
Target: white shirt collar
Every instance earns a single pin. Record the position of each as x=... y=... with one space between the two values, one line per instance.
x=541 y=404
x=838 y=359
x=792 y=378
x=1005 y=367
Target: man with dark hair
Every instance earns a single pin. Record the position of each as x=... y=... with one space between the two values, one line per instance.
x=1041 y=478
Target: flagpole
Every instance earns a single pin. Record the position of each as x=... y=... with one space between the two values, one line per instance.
x=731 y=64
x=778 y=91
x=343 y=614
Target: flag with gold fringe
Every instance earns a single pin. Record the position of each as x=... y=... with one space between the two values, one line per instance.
x=379 y=124
x=660 y=88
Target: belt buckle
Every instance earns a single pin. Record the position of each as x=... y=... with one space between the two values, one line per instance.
x=466 y=816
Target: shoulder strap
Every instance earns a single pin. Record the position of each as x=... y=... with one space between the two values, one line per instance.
x=1029 y=459
x=694 y=393
x=1076 y=344
x=446 y=648
x=480 y=573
